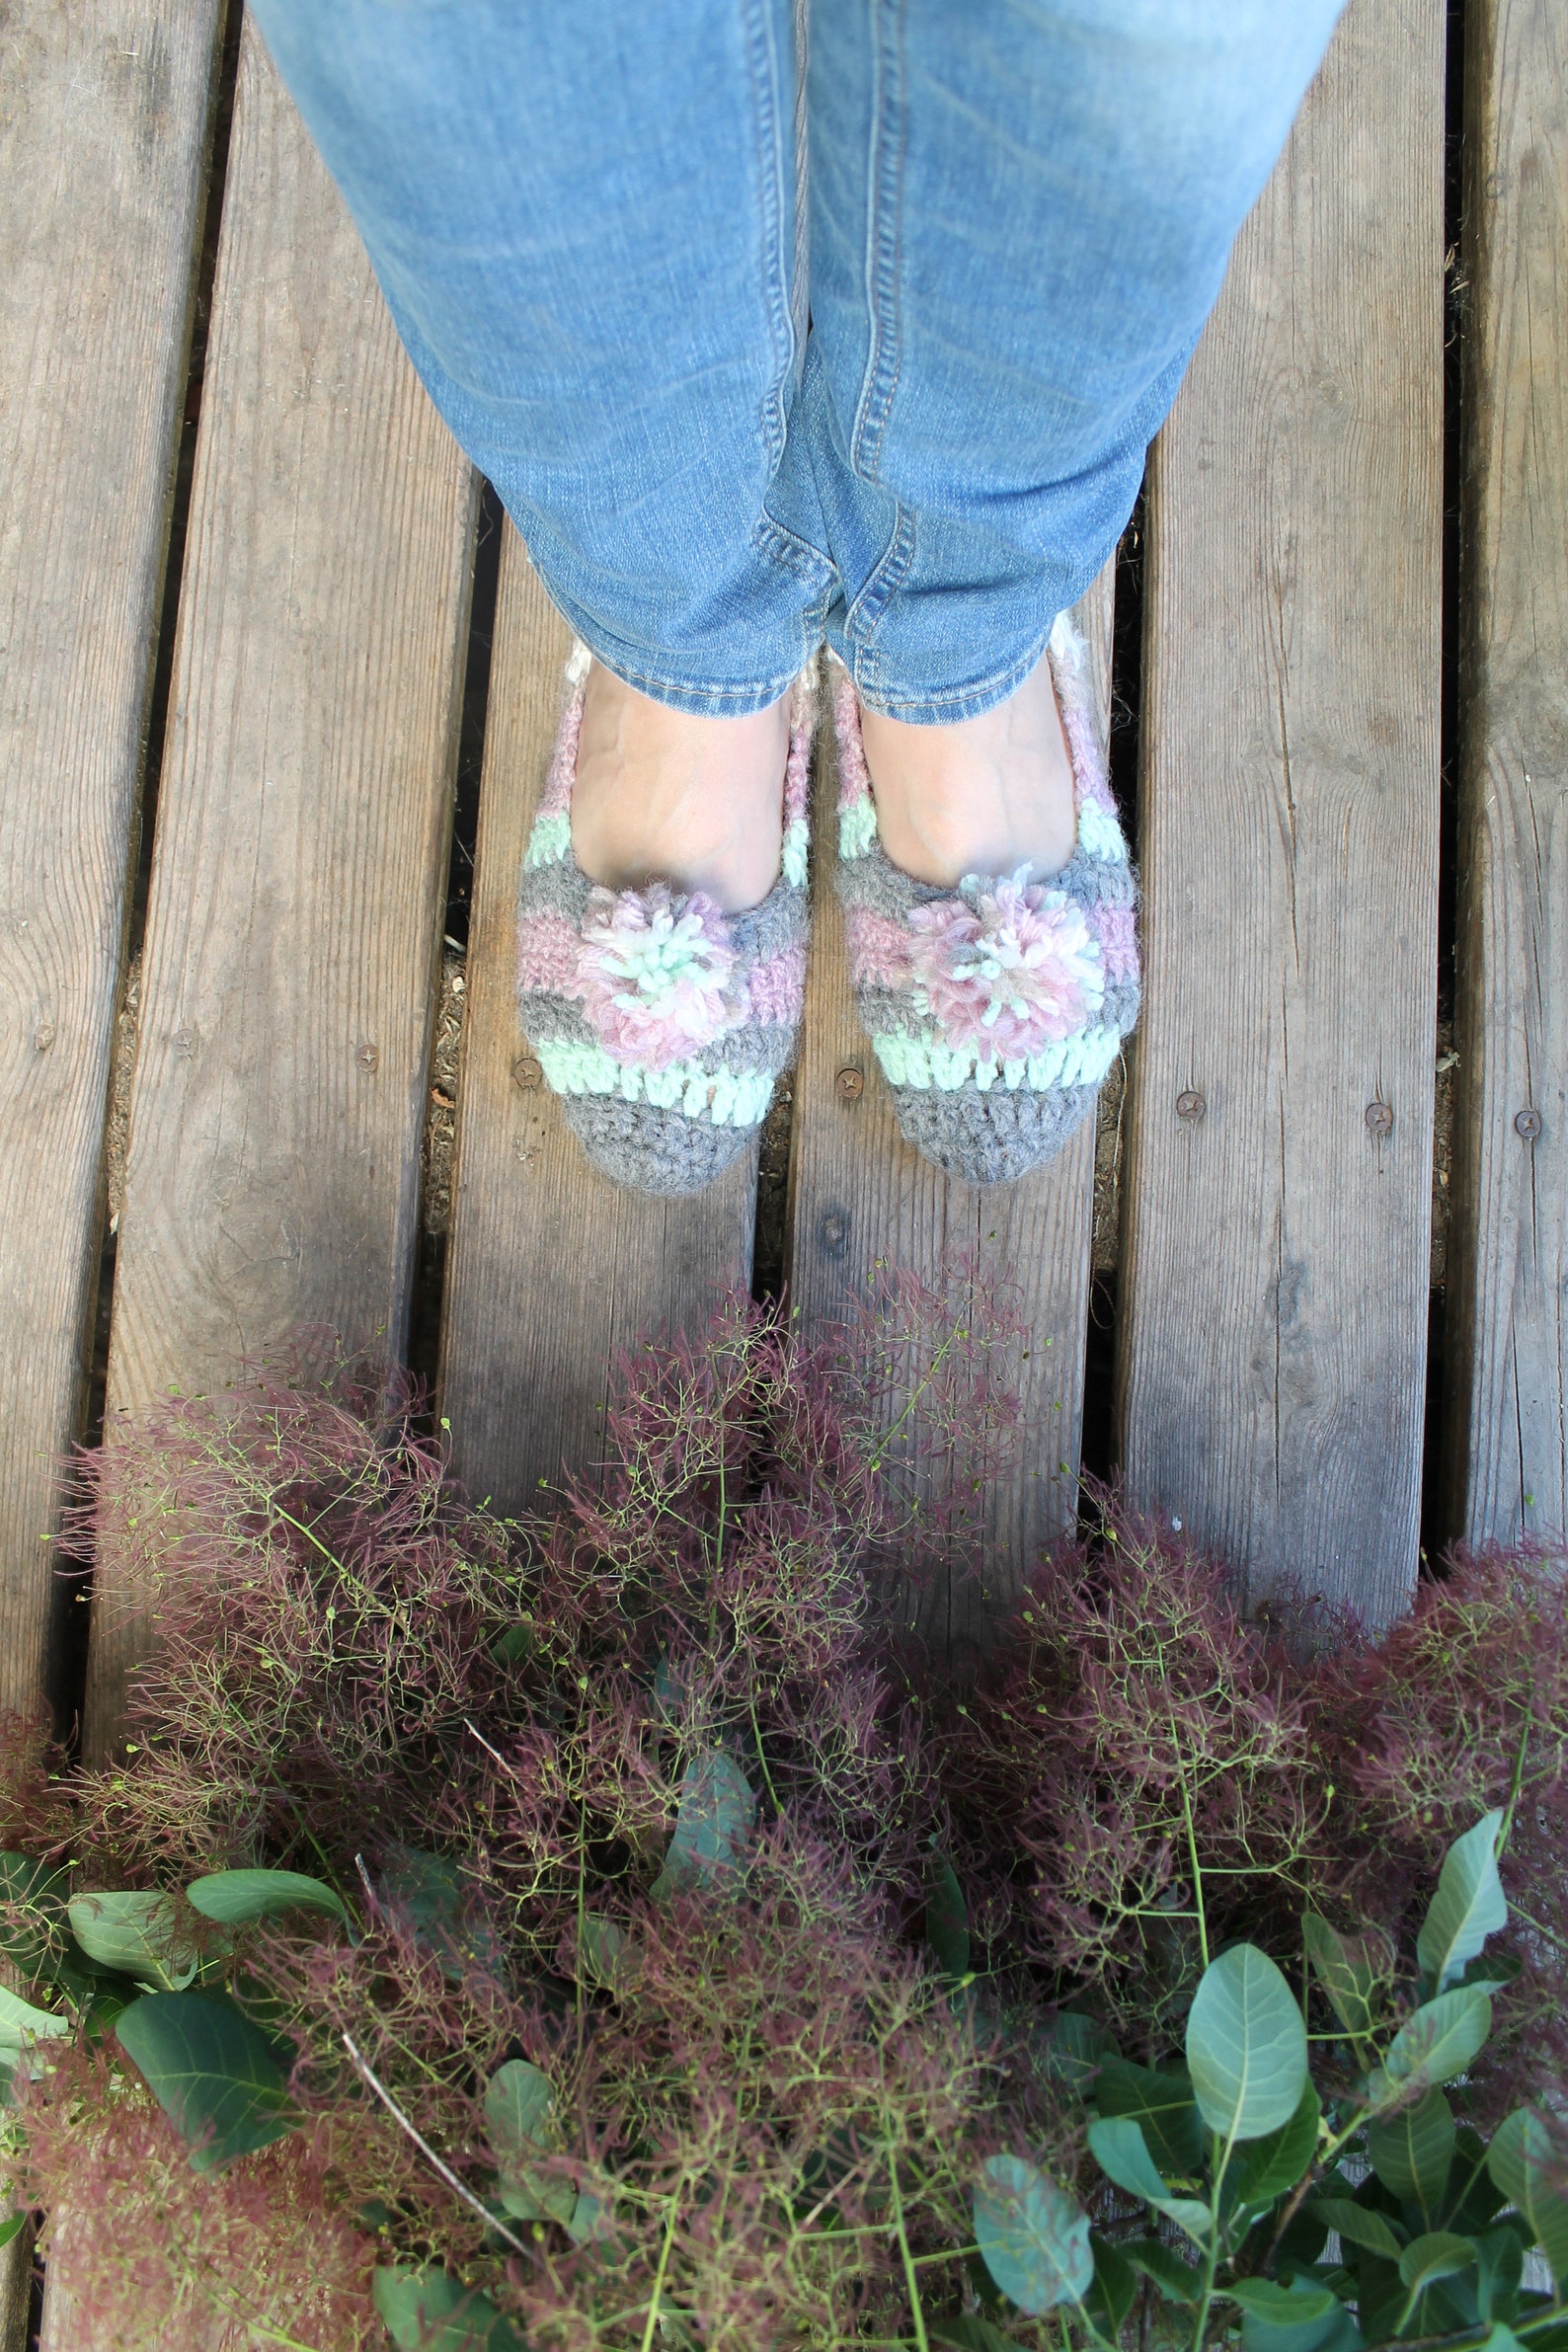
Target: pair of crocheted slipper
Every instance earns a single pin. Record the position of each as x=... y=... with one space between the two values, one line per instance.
x=995 y=1010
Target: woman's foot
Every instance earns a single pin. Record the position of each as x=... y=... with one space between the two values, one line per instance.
x=663 y=795
x=983 y=796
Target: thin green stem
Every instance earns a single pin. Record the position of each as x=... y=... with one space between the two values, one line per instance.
x=911 y=2282
x=880 y=1454
x=761 y=1758
x=1197 y=1867
x=1517 y=1783
x=664 y=2264
x=1212 y=2264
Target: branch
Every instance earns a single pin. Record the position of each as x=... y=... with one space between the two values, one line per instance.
x=459 y=2187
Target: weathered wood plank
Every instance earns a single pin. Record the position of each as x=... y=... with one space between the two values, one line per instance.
x=1505 y=1437
x=860 y=1194
x=295 y=911
x=1272 y=1337
x=551 y=1270
x=105 y=117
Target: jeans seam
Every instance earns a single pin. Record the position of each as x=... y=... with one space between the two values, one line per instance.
x=993 y=688
x=864 y=616
x=775 y=274
x=791 y=552
x=884 y=229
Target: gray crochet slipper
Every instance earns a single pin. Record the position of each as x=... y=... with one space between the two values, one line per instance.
x=661 y=1022
x=994 y=1009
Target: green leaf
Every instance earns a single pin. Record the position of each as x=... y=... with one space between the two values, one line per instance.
x=428 y=2311
x=590 y=2217
x=1164 y=2109
x=1346 y=1969
x=519 y=2116
x=1072 y=2048
x=1246 y=2046
x=1182 y=2281
x=1119 y=2148
x=136 y=1930
x=1262 y=2170
x=1523 y=2161
x=1503 y=2339
x=230 y=1896
x=712 y=1824
x=968 y=2333
x=13 y=2225
x=1434 y=2044
x=947 y=1919
x=1468 y=1905
x=222 y=2082
x=428 y=1894
x=1034 y=2236
x=607 y=1954
x=1437 y=2255
x=1494 y=1971
x=36 y=1891
x=1109 y=2301
x=1302 y=2316
x=1359 y=2226
x=22 y=2027
x=1412 y=2150
x=1500 y=2270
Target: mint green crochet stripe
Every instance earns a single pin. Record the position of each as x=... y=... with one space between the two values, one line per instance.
x=729 y=1098
x=796 y=841
x=1080 y=1060
x=549 y=840
x=857 y=827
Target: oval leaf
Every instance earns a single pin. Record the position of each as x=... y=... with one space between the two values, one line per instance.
x=428 y=2310
x=1072 y=2048
x=222 y=2081
x=947 y=1919
x=1412 y=2150
x=136 y=1930
x=1437 y=2255
x=1034 y=2236
x=606 y=1955
x=1246 y=2046
x=22 y=2026
x=1347 y=1971
x=712 y=1825
x=1359 y=2226
x=1182 y=2281
x=1304 y=2317
x=1468 y=1905
x=1437 y=2043
x=230 y=1896
x=1120 y=2151
x=1262 y=2170
x=1523 y=2160
x=1164 y=2109
x=519 y=2116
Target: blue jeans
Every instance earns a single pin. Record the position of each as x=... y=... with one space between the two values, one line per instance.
x=757 y=356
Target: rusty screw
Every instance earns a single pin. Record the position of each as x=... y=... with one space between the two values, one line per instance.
x=851 y=1083
x=1379 y=1119
x=367 y=1057
x=1528 y=1122
x=1189 y=1105
x=527 y=1072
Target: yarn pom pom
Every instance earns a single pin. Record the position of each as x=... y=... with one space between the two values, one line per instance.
x=656 y=974
x=1007 y=969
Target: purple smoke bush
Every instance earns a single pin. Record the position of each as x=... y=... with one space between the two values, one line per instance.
x=685 y=1946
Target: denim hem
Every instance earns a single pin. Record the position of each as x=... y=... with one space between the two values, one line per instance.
x=940 y=706
x=701 y=697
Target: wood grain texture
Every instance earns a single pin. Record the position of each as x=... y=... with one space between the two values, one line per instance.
x=103 y=130
x=859 y=1194
x=295 y=911
x=1505 y=1435
x=1272 y=1347
x=551 y=1270
x=16 y=2291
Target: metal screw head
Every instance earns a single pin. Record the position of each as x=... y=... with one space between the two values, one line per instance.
x=1528 y=1122
x=368 y=1056
x=183 y=1040
x=43 y=1036
x=1189 y=1105
x=851 y=1083
x=1380 y=1118
x=527 y=1072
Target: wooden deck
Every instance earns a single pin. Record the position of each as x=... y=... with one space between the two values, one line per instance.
x=1314 y=819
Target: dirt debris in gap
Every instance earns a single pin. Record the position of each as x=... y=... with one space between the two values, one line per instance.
x=440 y=1107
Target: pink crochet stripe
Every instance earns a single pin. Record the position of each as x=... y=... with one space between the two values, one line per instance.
x=879 y=949
x=1118 y=941
x=854 y=779
x=778 y=985
x=1089 y=772
x=556 y=798
x=547 y=946
x=798 y=770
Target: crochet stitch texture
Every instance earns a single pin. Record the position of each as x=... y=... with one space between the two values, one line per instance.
x=994 y=1009
x=659 y=1021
